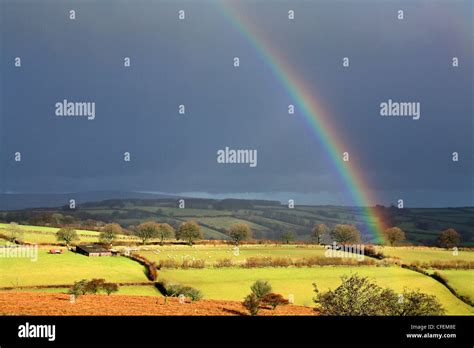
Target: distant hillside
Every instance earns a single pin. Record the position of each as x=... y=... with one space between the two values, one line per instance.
x=268 y=219
x=17 y=201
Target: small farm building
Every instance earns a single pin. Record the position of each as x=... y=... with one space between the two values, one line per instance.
x=93 y=250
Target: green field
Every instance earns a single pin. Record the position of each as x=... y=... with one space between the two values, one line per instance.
x=268 y=219
x=213 y=253
x=412 y=254
x=43 y=229
x=234 y=283
x=226 y=222
x=231 y=283
x=45 y=235
x=461 y=280
x=67 y=268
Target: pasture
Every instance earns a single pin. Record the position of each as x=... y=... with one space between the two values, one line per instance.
x=67 y=268
x=234 y=283
x=47 y=235
x=461 y=280
x=426 y=254
x=212 y=253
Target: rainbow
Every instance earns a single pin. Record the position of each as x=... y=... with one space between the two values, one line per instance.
x=314 y=114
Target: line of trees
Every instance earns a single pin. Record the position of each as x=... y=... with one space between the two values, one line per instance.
x=190 y=231
x=349 y=234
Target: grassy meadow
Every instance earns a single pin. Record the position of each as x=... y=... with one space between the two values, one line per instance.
x=268 y=219
x=47 y=235
x=67 y=268
x=231 y=283
x=234 y=283
x=212 y=253
x=461 y=280
x=426 y=254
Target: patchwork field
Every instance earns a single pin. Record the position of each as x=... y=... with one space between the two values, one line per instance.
x=426 y=254
x=268 y=219
x=234 y=283
x=47 y=235
x=211 y=253
x=66 y=269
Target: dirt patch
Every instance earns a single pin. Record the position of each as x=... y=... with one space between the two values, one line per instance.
x=32 y=303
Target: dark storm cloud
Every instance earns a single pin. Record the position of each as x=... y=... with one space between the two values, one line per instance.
x=190 y=62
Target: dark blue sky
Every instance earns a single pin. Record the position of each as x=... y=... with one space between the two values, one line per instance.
x=190 y=62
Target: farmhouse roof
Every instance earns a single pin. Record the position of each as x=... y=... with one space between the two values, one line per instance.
x=92 y=248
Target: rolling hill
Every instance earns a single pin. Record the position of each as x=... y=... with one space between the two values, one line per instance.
x=268 y=219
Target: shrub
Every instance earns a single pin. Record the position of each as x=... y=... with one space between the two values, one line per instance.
x=358 y=296
x=94 y=286
x=273 y=300
x=440 y=277
x=193 y=293
x=151 y=266
x=252 y=304
x=252 y=262
x=110 y=288
x=14 y=232
x=414 y=267
x=224 y=263
x=261 y=288
x=168 y=264
x=449 y=264
x=152 y=273
x=193 y=264
x=282 y=262
x=79 y=288
x=370 y=251
x=416 y=303
x=174 y=290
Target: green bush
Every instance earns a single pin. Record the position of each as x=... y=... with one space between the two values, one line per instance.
x=93 y=286
x=110 y=288
x=79 y=288
x=224 y=263
x=174 y=290
x=252 y=301
x=273 y=300
x=261 y=288
x=358 y=296
x=252 y=304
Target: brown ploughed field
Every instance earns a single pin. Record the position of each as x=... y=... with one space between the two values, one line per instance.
x=34 y=303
